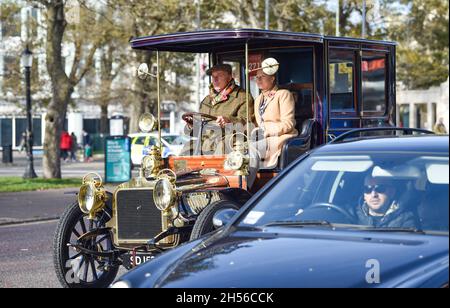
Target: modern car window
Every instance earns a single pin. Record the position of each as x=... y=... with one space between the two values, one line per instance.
x=170 y=139
x=176 y=140
x=338 y=189
x=139 y=140
x=181 y=140
x=152 y=141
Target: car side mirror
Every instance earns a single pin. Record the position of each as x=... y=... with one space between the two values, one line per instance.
x=223 y=217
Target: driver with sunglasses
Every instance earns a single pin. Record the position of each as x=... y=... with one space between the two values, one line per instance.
x=380 y=208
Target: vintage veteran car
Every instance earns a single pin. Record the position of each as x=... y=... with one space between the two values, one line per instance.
x=338 y=84
x=307 y=228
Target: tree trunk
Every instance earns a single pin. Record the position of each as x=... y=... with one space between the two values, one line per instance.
x=54 y=124
x=61 y=90
x=62 y=85
x=251 y=8
x=104 y=119
x=137 y=109
x=105 y=86
x=51 y=160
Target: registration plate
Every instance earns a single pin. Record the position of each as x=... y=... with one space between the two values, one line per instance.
x=130 y=260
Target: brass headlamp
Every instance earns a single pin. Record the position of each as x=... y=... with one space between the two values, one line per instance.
x=165 y=192
x=92 y=195
x=151 y=163
x=147 y=122
x=238 y=160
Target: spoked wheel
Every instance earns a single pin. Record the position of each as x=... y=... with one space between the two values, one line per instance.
x=77 y=269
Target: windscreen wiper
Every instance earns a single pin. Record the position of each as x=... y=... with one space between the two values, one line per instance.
x=395 y=229
x=299 y=223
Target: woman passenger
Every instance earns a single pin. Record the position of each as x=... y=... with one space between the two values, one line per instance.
x=275 y=115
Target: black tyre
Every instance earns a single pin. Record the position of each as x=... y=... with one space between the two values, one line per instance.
x=204 y=222
x=76 y=269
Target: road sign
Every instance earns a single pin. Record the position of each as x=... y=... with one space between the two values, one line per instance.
x=117 y=159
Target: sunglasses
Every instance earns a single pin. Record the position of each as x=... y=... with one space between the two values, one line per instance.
x=375 y=188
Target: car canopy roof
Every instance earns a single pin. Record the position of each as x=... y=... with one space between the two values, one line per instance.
x=221 y=40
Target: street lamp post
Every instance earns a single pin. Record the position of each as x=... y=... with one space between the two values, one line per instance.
x=338 y=14
x=364 y=9
x=27 y=61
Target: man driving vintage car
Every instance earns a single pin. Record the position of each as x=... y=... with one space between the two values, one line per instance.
x=380 y=207
x=225 y=104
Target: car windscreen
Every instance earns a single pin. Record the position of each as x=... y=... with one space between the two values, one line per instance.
x=176 y=140
x=375 y=190
x=139 y=140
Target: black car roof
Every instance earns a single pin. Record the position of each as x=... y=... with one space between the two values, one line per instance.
x=213 y=40
x=407 y=144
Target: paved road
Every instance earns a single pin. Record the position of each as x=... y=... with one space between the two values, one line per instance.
x=34 y=205
x=26 y=256
x=26 y=259
x=26 y=249
x=68 y=170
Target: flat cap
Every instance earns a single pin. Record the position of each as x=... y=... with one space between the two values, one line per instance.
x=219 y=67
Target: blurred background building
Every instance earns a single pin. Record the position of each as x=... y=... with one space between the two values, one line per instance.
x=423 y=108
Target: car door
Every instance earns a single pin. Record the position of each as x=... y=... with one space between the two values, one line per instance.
x=377 y=106
x=361 y=86
x=137 y=147
x=343 y=80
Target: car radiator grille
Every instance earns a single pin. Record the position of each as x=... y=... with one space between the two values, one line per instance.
x=137 y=216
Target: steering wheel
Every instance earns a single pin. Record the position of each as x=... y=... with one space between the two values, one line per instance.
x=190 y=117
x=334 y=207
x=204 y=119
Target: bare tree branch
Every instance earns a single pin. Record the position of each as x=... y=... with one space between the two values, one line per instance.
x=77 y=58
x=83 y=3
x=88 y=64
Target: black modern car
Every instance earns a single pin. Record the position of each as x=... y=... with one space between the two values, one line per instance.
x=357 y=212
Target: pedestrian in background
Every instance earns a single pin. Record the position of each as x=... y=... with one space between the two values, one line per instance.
x=439 y=127
x=86 y=142
x=74 y=149
x=23 y=142
x=88 y=153
x=65 y=145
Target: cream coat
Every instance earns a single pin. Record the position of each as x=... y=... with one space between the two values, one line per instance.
x=278 y=122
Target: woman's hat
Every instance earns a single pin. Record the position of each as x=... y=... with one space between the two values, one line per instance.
x=270 y=66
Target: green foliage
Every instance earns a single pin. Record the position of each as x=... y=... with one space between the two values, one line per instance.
x=16 y=184
x=418 y=69
x=9 y=14
x=12 y=49
x=423 y=53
